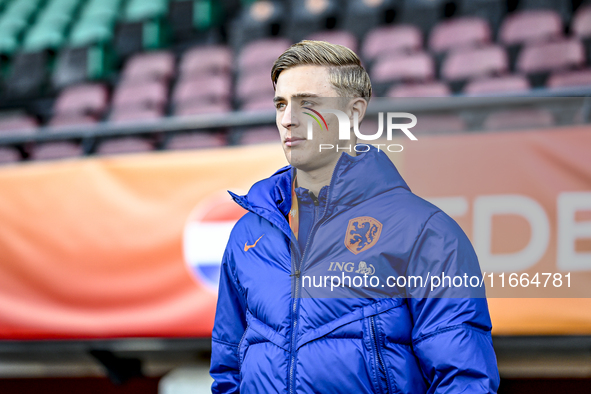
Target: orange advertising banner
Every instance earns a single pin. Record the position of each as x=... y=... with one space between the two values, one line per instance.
x=130 y=246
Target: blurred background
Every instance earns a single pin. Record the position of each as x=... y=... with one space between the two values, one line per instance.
x=122 y=123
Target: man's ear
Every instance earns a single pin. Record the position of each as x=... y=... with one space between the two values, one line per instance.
x=356 y=105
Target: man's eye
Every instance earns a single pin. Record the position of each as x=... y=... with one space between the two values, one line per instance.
x=307 y=103
x=280 y=105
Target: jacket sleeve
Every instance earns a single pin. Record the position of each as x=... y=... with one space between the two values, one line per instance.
x=229 y=326
x=452 y=328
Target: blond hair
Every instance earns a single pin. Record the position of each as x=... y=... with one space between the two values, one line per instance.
x=346 y=73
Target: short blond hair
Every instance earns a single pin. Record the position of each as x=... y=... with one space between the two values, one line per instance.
x=346 y=73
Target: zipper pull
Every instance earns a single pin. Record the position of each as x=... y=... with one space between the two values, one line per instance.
x=297 y=274
x=314 y=199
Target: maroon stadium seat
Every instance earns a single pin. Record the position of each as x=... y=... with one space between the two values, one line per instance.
x=392 y=39
x=503 y=84
x=471 y=63
x=433 y=89
x=18 y=124
x=570 y=79
x=124 y=145
x=211 y=88
x=135 y=115
x=260 y=135
x=63 y=120
x=150 y=94
x=459 y=32
x=438 y=124
x=543 y=57
x=151 y=65
x=414 y=67
x=529 y=26
x=196 y=140
x=519 y=119
x=262 y=53
x=89 y=99
x=56 y=150
x=254 y=84
x=581 y=24
x=339 y=37
x=214 y=59
x=9 y=155
x=198 y=108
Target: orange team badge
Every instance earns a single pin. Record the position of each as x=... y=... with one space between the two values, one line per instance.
x=246 y=247
x=362 y=233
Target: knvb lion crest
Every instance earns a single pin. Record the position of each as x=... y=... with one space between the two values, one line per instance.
x=362 y=233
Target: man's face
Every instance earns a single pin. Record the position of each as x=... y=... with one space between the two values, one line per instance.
x=307 y=86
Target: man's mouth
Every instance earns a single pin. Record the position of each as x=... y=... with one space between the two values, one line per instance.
x=294 y=141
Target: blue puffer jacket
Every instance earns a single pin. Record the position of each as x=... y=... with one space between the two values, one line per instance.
x=265 y=340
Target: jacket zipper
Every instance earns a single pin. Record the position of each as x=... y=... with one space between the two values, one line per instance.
x=378 y=356
x=297 y=287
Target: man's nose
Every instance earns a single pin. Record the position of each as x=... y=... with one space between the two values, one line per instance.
x=288 y=120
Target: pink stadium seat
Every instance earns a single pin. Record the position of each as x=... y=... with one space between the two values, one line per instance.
x=570 y=79
x=581 y=24
x=56 y=150
x=259 y=103
x=254 y=84
x=504 y=84
x=196 y=140
x=124 y=145
x=392 y=39
x=90 y=99
x=260 y=135
x=438 y=124
x=262 y=53
x=212 y=88
x=543 y=57
x=339 y=37
x=214 y=59
x=433 y=89
x=19 y=124
x=459 y=32
x=529 y=26
x=151 y=94
x=519 y=119
x=9 y=155
x=135 y=115
x=148 y=66
x=415 y=67
x=196 y=108
x=471 y=63
x=64 y=120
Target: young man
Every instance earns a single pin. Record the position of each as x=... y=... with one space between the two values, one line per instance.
x=273 y=332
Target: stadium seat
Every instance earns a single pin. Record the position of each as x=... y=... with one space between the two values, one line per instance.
x=422 y=13
x=581 y=24
x=196 y=140
x=308 y=16
x=433 y=89
x=207 y=88
x=497 y=85
x=260 y=135
x=414 y=67
x=149 y=66
x=438 y=124
x=28 y=74
x=259 y=103
x=362 y=16
x=530 y=26
x=214 y=59
x=141 y=114
x=546 y=57
x=562 y=7
x=78 y=64
x=491 y=10
x=392 y=39
x=254 y=84
x=9 y=155
x=570 y=79
x=121 y=145
x=150 y=94
x=18 y=124
x=459 y=32
x=192 y=108
x=85 y=99
x=339 y=37
x=67 y=120
x=56 y=150
x=261 y=53
x=519 y=119
x=463 y=64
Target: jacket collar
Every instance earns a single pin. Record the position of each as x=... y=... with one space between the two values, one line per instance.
x=354 y=180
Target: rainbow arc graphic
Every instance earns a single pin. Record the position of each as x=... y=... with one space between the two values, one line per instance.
x=315 y=118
